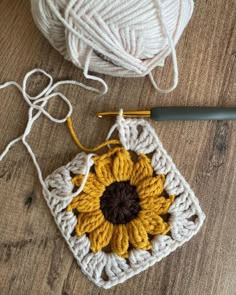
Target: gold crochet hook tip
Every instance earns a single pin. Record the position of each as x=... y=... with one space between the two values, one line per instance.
x=127 y=114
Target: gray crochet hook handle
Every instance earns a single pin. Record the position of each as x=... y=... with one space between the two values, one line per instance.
x=180 y=113
x=192 y=113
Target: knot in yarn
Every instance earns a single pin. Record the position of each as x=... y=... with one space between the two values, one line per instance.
x=126 y=38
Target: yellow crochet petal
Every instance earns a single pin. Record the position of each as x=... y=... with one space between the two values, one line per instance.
x=151 y=187
x=153 y=223
x=142 y=169
x=165 y=205
x=122 y=166
x=92 y=184
x=85 y=202
x=160 y=204
x=87 y=222
x=138 y=235
x=103 y=168
x=120 y=240
x=151 y=203
x=101 y=236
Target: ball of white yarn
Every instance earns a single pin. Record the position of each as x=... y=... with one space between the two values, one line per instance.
x=126 y=38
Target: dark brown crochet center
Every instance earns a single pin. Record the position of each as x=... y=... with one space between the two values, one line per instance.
x=120 y=202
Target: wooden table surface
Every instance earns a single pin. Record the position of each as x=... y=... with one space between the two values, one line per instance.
x=34 y=258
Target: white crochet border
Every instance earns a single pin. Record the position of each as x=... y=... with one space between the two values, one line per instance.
x=186 y=216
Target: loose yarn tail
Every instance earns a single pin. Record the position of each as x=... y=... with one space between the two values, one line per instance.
x=174 y=58
x=38 y=103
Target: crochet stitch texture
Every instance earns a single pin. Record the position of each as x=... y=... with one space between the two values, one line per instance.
x=133 y=209
x=121 y=203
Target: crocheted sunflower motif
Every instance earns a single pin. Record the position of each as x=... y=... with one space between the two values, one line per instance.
x=122 y=203
x=110 y=208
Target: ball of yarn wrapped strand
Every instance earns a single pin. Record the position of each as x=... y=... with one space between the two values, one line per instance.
x=126 y=38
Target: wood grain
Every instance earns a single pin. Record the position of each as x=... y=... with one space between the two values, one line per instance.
x=34 y=259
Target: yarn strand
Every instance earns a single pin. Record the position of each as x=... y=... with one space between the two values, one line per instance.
x=174 y=59
x=82 y=147
x=39 y=103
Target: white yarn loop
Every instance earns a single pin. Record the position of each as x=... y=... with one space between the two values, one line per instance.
x=120 y=38
x=174 y=61
x=38 y=103
x=91 y=77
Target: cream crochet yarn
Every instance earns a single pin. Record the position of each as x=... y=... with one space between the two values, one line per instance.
x=163 y=205
x=126 y=38
x=105 y=268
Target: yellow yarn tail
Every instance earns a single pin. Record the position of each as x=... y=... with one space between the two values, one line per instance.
x=81 y=146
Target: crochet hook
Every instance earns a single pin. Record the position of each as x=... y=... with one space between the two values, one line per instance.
x=179 y=113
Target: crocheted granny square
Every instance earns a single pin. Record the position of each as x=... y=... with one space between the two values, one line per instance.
x=132 y=207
